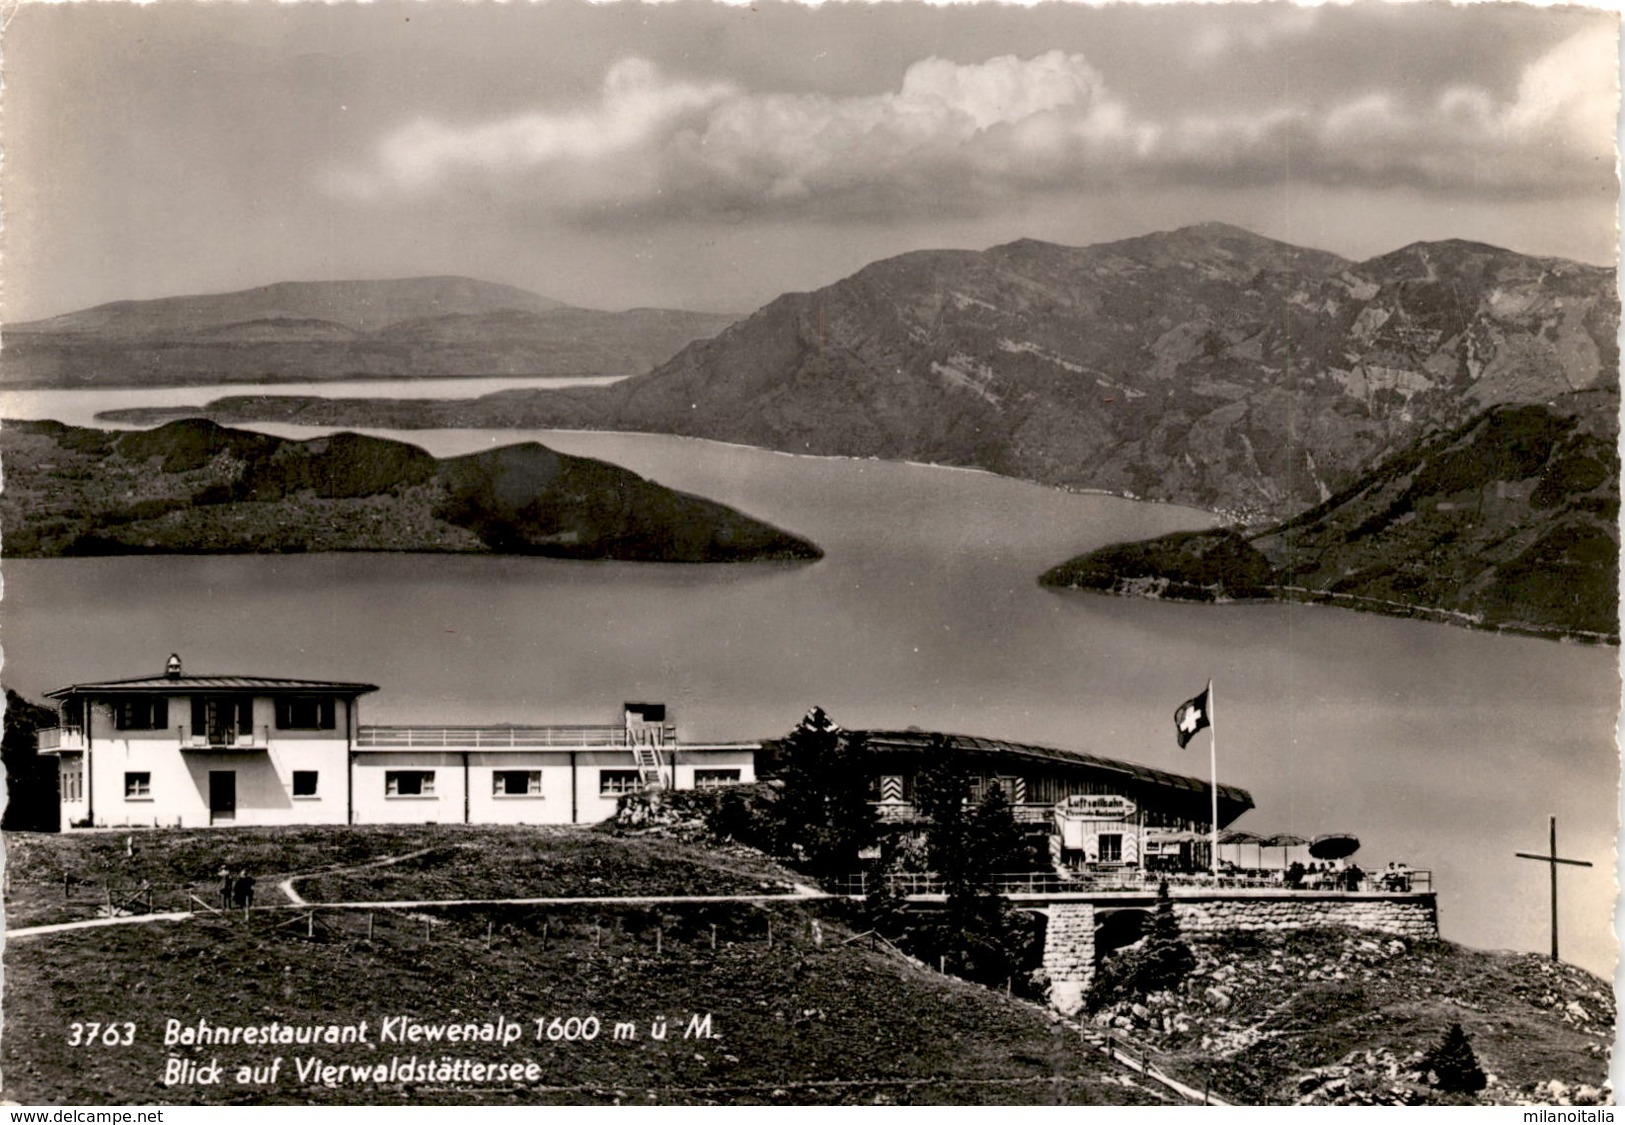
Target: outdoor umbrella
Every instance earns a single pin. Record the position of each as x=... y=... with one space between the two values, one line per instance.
x=1241 y=836
x=1284 y=840
x=1334 y=845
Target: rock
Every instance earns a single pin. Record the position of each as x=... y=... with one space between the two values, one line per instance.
x=1577 y=1010
x=1308 y=1082
x=1219 y=998
x=1586 y=1095
x=1141 y=1012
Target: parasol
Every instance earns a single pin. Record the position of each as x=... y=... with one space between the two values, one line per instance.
x=1241 y=836
x=1334 y=845
x=1284 y=840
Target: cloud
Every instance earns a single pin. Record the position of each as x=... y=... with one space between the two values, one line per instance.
x=965 y=138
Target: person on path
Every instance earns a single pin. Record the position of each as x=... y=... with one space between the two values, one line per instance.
x=244 y=890
x=227 y=887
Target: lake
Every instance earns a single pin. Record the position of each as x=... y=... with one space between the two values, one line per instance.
x=1438 y=746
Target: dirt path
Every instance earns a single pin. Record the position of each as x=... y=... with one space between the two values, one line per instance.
x=296 y=899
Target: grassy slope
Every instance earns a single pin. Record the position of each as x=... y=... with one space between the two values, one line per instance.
x=462 y=862
x=193 y=486
x=801 y=1021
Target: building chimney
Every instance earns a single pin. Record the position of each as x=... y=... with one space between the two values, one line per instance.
x=173 y=668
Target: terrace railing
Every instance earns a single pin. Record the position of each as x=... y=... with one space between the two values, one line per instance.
x=511 y=738
x=1118 y=879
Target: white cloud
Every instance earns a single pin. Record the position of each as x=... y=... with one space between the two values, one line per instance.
x=962 y=137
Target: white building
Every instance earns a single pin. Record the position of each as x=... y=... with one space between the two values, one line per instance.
x=177 y=750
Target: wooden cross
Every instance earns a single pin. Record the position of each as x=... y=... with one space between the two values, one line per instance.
x=1551 y=860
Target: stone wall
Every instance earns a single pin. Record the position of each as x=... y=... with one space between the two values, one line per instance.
x=1069 y=953
x=1069 y=939
x=1413 y=916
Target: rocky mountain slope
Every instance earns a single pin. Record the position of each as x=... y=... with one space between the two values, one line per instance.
x=1343 y=1017
x=193 y=486
x=418 y=327
x=1507 y=521
x=1208 y=366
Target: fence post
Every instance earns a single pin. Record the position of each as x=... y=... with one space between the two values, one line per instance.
x=490 y=925
x=65 y=878
x=658 y=940
x=713 y=935
x=544 y=933
x=310 y=923
x=369 y=925
x=770 y=931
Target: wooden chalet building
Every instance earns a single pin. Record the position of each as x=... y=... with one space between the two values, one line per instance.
x=1098 y=812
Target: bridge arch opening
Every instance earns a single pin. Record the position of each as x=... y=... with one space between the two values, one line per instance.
x=1119 y=928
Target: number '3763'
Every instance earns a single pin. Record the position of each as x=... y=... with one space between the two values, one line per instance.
x=101 y=1034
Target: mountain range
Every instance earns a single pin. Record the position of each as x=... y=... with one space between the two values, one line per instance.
x=1207 y=366
x=414 y=327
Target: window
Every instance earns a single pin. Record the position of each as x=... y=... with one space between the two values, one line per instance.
x=306 y=712
x=615 y=782
x=73 y=784
x=1111 y=847
x=409 y=783
x=140 y=712
x=516 y=783
x=715 y=779
x=138 y=786
x=304 y=783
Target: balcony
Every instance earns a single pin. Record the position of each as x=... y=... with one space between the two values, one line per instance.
x=224 y=741
x=514 y=738
x=58 y=739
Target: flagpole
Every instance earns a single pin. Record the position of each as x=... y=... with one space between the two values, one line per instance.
x=1213 y=761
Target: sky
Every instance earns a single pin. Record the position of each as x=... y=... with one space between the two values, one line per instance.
x=704 y=156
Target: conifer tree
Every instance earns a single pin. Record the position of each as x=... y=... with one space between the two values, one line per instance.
x=1453 y=1063
x=824 y=809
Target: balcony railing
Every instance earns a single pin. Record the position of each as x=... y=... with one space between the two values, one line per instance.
x=894 y=811
x=60 y=738
x=512 y=738
x=224 y=739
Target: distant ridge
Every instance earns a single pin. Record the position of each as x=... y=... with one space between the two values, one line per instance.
x=360 y=305
x=323 y=330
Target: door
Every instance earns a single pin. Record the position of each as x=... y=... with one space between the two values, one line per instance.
x=222 y=796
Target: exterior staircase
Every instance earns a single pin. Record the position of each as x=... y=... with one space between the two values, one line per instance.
x=648 y=761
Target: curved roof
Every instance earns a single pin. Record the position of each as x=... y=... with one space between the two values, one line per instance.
x=184 y=684
x=1233 y=800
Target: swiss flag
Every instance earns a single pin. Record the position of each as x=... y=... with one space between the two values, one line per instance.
x=1191 y=717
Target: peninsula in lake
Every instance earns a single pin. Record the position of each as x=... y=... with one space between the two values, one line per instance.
x=1509 y=521
x=193 y=486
